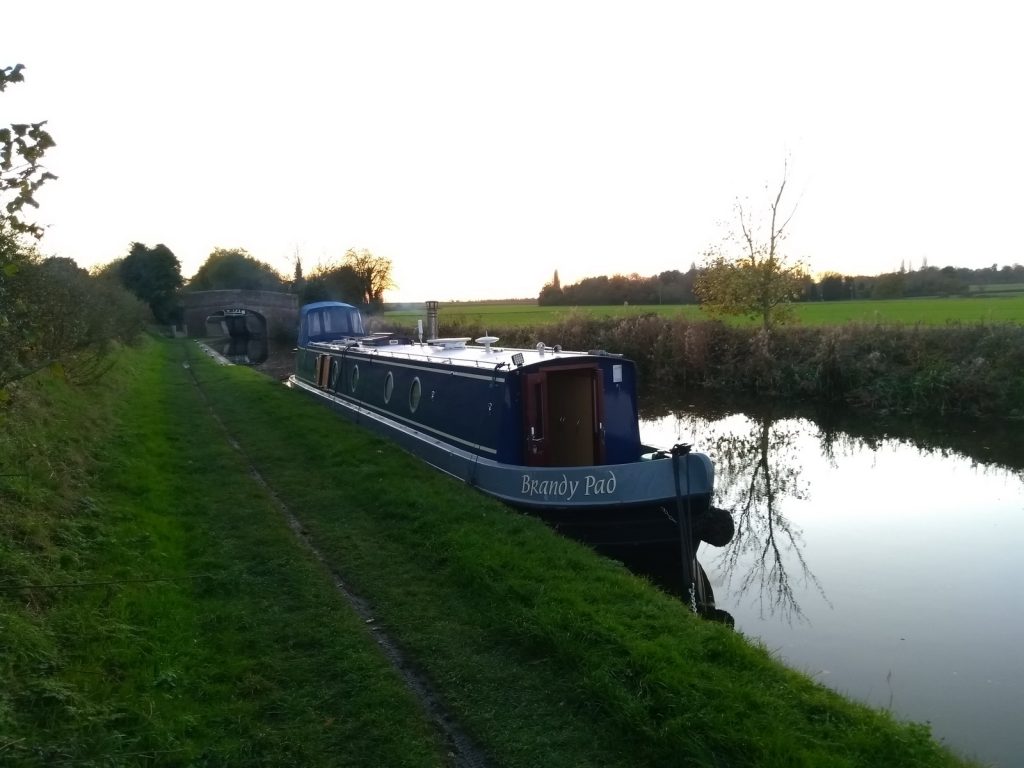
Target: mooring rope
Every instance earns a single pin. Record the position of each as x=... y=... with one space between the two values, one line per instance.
x=692 y=582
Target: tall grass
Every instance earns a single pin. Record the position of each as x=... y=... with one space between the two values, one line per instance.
x=971 y=369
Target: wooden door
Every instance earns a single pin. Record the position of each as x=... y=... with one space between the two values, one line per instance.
x=562 y=417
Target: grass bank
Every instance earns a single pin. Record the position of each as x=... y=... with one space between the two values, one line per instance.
x=208 y=636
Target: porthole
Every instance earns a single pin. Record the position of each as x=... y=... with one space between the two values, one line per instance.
x=354 y=378
x=414 y=395
x=334 y=374
x=389 y=386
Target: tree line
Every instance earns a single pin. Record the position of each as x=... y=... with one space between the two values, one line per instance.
x=675 y=287
x=906 y=283
x=153 y=274
x=360 y=277
x=54 y=313
x=670 y=287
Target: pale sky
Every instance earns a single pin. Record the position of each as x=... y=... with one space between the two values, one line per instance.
x=480 y=146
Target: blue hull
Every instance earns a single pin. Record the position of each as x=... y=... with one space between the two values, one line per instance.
x=608 y=504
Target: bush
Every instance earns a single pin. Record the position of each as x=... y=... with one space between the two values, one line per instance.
x=55 y=313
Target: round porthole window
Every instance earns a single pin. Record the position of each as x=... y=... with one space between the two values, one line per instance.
x=334 y=374
x=354 y=378
x=414 y=395
x=389 y=386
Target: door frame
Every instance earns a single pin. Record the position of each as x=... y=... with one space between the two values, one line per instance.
x=536 y=421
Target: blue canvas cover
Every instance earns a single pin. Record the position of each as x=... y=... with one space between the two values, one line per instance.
x=328 y=320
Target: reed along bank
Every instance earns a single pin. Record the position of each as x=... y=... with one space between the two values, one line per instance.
x=156 y=607
x=965 y=369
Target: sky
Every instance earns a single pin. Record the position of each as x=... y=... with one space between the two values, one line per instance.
x=480 y=146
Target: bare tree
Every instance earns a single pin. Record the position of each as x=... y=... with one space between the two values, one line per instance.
x=747 y=274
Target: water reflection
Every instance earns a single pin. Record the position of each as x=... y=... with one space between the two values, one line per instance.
x=242 y=350
x=760 y=454
x=756 y=472
x=988 y=443
x=881 y=562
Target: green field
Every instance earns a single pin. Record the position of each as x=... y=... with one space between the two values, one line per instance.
x=504 y=315
x=929 y=311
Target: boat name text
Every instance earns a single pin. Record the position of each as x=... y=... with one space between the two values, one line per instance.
x=592 y=485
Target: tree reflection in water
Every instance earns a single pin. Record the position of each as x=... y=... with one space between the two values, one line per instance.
x=757 y=468
x=882 y=509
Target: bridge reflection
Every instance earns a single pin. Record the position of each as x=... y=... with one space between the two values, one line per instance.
x=242 y=350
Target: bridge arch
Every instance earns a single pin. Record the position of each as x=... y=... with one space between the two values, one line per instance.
x=241 y=313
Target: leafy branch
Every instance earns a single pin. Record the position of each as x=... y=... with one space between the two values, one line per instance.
x=22 y=146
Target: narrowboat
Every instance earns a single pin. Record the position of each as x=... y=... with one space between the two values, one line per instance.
x=551 y=432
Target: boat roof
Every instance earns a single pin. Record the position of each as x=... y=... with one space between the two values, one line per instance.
x=485 y=353
x=307 y=308
x=471 y=355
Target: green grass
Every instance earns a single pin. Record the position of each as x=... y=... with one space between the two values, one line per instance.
x=545 y=653
x=927 y=311
x=486 y=315
x=209 y=637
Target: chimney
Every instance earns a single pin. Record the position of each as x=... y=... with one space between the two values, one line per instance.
x=432 y=319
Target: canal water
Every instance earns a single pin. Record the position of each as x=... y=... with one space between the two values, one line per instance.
x=273 y=358
x=881 y=557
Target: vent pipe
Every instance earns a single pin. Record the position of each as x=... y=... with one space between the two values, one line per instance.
x=432 y=319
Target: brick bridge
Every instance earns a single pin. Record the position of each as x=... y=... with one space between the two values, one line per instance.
x=268 y=313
